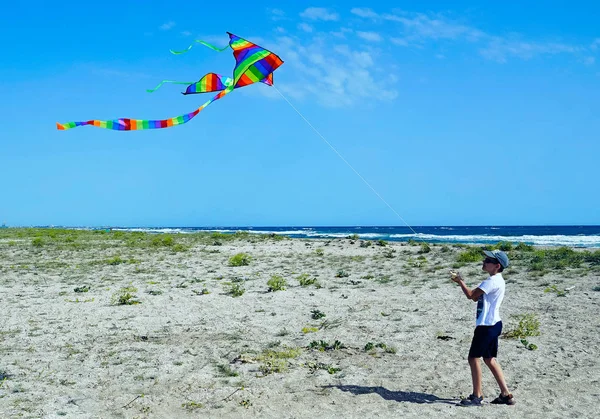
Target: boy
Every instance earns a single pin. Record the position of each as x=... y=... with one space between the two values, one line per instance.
x=488 y=326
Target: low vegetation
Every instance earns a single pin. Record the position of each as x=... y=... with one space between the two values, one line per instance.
x=529 y=325
x=276 y=283
x=240 y=259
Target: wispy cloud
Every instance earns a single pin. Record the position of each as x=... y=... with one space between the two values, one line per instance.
x=276 y=14
x=305 y=27
x=369 y=36
x=341 y=33
x=420 y=27
x=319 y=13
x=499 y=49
x=333 y=74
x=400 y=41
x=589 y=60
x=416 y=29
x=167 y=26
x=364 y=12
x=186 y=33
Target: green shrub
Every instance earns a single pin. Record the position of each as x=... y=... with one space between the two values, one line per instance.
x=115 y=260
x=276 y=361
x=125 y=296
x=305 y=280
x=178 y=247
x=504 y=246
x=561 y=258
x=162 y=241
x=524 y=247
x=317 y=314
x=323 y=346
x=314 y=366
x=240 y=259
x=389 y=253
x=276 y=283
x=559 y=292
x=592 y=257
x=226 y=371
x=241 y=234
x=529 y=325
x=472 y=254
x=236 y=290
x=37 y=242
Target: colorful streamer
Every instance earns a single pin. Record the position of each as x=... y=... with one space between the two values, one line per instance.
x=253 y=64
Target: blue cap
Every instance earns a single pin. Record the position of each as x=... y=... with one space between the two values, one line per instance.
x=499 y=255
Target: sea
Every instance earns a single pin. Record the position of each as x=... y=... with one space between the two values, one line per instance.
x=572 y=236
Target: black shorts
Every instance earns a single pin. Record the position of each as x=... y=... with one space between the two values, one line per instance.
x=485 y=341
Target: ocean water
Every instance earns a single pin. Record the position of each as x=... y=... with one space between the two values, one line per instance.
x=574 y=236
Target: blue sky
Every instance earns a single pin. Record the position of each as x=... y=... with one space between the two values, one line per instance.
x=469 y=114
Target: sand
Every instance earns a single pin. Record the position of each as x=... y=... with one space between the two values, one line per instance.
x=190 y=348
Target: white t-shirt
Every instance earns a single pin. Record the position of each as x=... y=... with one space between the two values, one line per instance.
x=488 y=305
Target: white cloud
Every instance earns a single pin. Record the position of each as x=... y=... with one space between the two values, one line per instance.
x=279 y=29
x=305 y=27
x=341 y=33
x=499 y=49
x=369 y=36
x=167 y=26
x=589 y=60
x=186 y=33
x=319 y=13
x=334 y=75
x=364 y=12
x=400 y=41
x=276 y=14
x=595 y=45
x=420 y=27
x=359 y=58
x=416 y=29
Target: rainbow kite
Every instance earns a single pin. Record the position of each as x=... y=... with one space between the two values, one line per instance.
x=252 y=64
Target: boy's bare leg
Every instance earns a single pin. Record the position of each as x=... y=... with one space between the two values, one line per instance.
x=494 y=366
x=476 y=376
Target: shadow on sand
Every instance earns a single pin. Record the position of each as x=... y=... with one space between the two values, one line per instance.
x=399 y=396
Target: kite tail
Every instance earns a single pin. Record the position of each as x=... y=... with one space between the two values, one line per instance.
x=168 y=81
x=126 y=124
x=206 y=44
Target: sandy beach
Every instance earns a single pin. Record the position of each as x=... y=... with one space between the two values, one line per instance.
x=100 y=324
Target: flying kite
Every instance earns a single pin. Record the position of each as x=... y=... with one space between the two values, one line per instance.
x=252 y=64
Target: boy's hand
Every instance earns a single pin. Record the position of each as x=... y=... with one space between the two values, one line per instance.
x=455 y=276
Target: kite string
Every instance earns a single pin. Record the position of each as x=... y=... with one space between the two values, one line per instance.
x=347 y=163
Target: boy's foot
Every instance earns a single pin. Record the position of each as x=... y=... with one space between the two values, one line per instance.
x=472 y=400
x=509 y=400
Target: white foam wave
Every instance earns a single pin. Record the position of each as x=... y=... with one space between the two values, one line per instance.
x=154 y=230
x=551 y=240
x=541 y=240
